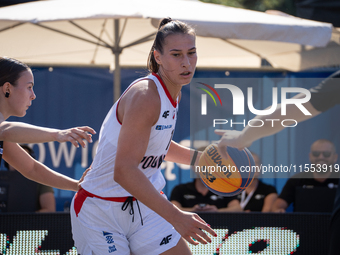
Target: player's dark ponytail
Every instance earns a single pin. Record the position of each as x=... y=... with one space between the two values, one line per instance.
x=164 y=22
x=166 y=27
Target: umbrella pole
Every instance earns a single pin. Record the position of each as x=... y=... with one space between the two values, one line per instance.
x=116 y=83
x=116 y=73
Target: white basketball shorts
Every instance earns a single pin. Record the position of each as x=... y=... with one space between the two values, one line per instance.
x=102 y=227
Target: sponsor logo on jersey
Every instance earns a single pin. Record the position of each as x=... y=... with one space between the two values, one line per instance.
x=166 y=240
x=165 y=114
x=161 y=127
x=214 y=197
x=188 y=196
x=259 y=196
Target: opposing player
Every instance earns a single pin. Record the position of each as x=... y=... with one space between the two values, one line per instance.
x=121 y=207
x=16 y=95
x=323 y=97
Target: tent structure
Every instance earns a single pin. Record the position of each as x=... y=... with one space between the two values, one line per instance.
x=119 y=33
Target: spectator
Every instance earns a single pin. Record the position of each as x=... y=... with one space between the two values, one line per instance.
x=258 y=196
x=322 y=153
x=45 y=201
x=196 y=197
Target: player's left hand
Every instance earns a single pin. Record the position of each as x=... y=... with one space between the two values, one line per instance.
x=76 y=135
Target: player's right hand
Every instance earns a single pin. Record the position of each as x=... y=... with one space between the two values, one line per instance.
x=232 y=138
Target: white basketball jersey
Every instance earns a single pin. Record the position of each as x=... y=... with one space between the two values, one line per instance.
x=99 y=180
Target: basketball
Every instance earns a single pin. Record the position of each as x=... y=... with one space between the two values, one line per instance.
x=226 y=177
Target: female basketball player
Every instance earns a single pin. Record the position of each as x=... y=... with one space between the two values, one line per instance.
x=121 y=207
x=16 y=95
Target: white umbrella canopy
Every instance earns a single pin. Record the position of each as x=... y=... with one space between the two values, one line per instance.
x=87 y=32
x=305 y=57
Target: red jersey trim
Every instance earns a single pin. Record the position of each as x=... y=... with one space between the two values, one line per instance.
x=82 y=194
x=174 y=104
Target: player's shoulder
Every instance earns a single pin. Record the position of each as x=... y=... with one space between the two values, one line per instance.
x=144 y=86
x=143 y=92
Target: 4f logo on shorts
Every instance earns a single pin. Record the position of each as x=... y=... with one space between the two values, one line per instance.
x=109 y=240
x=166 y=240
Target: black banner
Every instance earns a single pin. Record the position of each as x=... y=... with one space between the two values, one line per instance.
x=238 y=233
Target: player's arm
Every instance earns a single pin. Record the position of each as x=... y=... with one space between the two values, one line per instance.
x=182 y=155
x=269 y=202
x=280 y=205
x=248 y=135
x=142 y=112
x=324 y=96
x=292 y=112
x=19 y=132
x=32 y=169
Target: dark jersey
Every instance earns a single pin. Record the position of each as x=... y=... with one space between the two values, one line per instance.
x=325 y=96
x=256 y=202
x=187 y=195
x=305 y=180
x=327 y=93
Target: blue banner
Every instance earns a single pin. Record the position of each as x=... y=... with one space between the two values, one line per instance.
x=69 y=96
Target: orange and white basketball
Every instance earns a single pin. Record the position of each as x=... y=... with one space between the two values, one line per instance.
x=226 y=177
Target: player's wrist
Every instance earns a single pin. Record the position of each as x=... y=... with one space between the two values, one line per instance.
x=194 y=157
x=54 y=133
x=173 y=214
x=246 y=139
